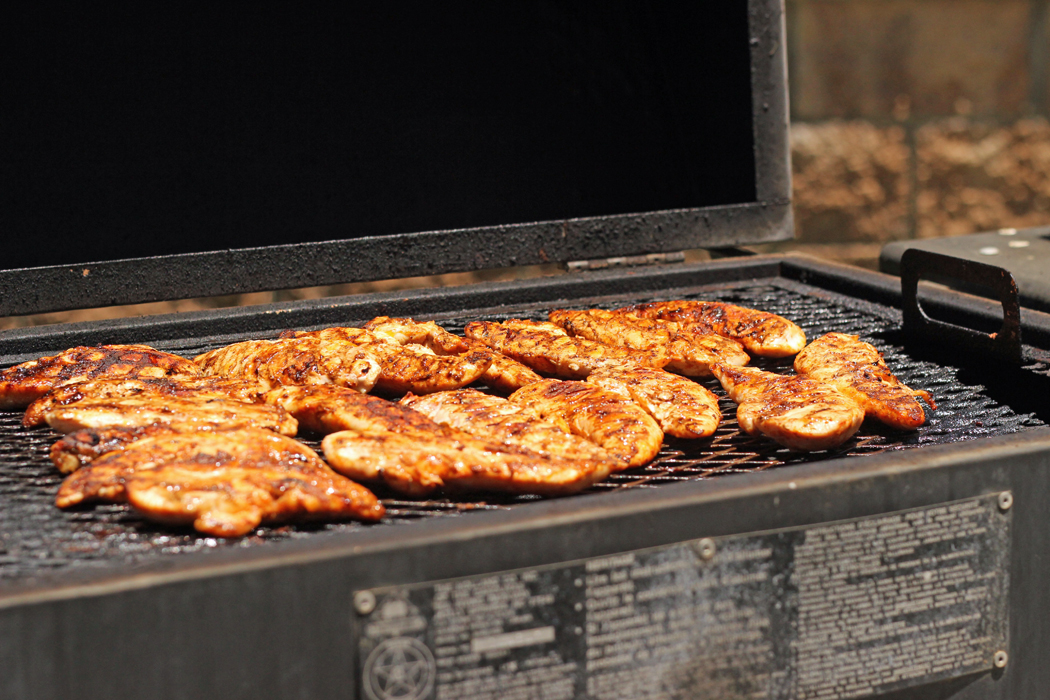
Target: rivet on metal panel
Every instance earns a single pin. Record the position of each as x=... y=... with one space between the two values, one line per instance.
x=364 y=602
x=1000 y=659
x=1006 y=499
x=706 y=548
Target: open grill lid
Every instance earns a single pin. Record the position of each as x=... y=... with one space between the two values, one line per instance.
x=209 y=152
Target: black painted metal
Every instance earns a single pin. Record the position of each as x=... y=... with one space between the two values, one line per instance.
x=1004 y=343
x=37 y=290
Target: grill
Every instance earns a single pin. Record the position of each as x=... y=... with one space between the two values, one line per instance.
x=40 y=541
x=74 y=575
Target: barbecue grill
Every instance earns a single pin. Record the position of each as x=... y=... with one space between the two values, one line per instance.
x=907 y=564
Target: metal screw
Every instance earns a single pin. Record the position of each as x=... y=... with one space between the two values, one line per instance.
x=999 y=659
x=1006 y=499
x=706 y=548
x=364 y=602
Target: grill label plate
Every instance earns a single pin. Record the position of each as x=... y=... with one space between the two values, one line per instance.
x=836 y=611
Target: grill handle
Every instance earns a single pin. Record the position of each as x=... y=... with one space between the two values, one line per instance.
x=917 y=264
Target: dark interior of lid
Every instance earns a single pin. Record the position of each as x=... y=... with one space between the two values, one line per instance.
x=191 y=128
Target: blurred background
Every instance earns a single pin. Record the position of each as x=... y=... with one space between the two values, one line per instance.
x=916 y=119
x=909 y=119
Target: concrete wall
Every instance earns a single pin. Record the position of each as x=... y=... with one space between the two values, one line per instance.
x=918 y=118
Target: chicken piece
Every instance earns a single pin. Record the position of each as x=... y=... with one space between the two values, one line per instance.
x=22 y=384
x=188 y=387
x=524 y=324
x=503 y=374
x=759 y=332
x=857 y=370
x=691 y=353
x=232 y=500
x=416 y=466
x=328 y=409
x=796 y=412
x=296 y=361
x=683 y=408
x=620 y=427
x=548 y=349
x=103 y=479
x=226 y=483
x=81 y=447
x=404 y=369
x=501 y=421
x=178 y=412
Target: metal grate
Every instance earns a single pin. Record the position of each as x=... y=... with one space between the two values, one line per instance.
x=39 y=541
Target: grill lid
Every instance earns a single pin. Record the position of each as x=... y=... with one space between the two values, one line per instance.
x=273 y=151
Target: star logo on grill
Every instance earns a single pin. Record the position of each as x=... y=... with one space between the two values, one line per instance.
x=401 y=668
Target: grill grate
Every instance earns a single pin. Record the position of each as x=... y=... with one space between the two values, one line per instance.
x=39 y=541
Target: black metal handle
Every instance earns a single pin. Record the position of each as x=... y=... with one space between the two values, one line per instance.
x=1005 y=343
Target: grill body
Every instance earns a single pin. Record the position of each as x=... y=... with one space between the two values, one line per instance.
x=96 y=603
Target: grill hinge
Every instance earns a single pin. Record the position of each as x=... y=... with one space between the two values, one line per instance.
x=626 y=261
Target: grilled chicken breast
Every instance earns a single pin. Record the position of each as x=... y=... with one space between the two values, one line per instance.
x=390 y=442
x=22 y=384
x=504 y=422
x=503 y=374
x=415 y=465
x=620 y=427
x=226 y=482
x=178 y=412
x=549 y=349
x=797 y=412
x=232 y=500
x=306 y=360
x=759 y=332
x=187 y=387
x=691 y=353
x=683 y=408
x=81 y=447
x=404 y=368
x=329 y=409
x=857 y=369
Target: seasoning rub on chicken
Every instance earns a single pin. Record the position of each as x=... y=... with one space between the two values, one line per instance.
x=857 y=369
x=405 y=368
x=415 y=466
x=81 y=447
x=503 y=374
x=181 y=413
x=683 y=408
x=378 y=440
x=760 y=333
x=549 y=349
x=22 y=384
x=796 y=412
x=225 y=483
x=692 y=353
x=502 y=421
x=181 y=386
x=307 y=360
x=620 y=427
x=329 y=409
